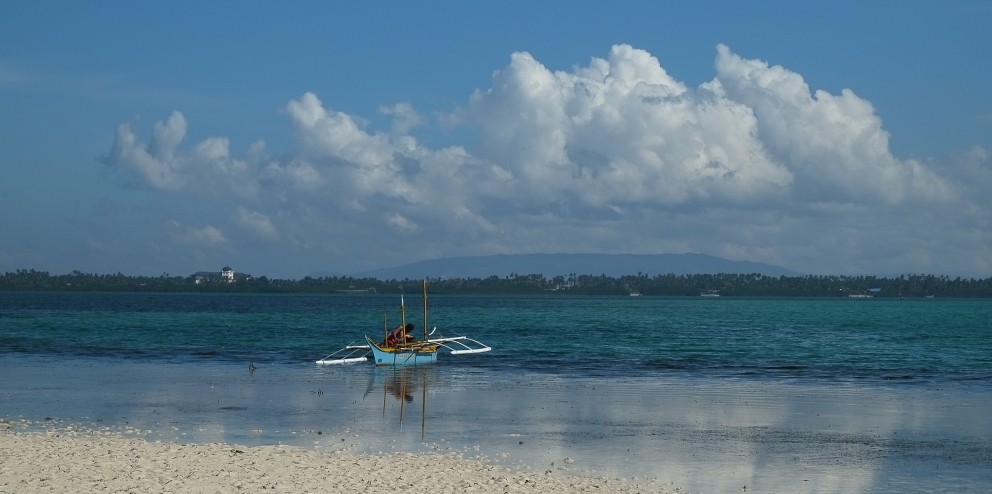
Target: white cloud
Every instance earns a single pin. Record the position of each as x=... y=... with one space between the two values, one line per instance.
x=399 y=221
x=147 y=161
x=620 y=131
x=206 y=236
x=213 y=149
x=405 y=117
x=834 y=145
x=615 y=156
x=167 y=136
x=160 y=164
x=257 y=223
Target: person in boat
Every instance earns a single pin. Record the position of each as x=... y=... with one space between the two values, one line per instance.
x=400 y=335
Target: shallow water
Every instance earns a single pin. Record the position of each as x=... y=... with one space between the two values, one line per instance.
x=710 y=395
x=706 y=435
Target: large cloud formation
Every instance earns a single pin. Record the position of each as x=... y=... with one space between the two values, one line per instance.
x=617 y=156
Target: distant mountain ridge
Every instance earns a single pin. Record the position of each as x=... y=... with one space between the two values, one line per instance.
x=551 y=265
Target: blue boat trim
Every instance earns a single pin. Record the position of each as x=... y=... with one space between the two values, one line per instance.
x=414 y=354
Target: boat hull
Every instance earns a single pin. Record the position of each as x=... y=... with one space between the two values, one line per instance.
x=401 y=356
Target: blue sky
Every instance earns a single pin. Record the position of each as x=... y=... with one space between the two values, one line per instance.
x=293 y=138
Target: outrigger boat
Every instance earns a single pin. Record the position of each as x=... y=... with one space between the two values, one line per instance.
x=401 y=348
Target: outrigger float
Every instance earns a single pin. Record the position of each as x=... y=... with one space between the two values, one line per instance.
x=399 y=347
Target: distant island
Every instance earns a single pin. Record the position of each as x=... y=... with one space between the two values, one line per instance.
x=551 y=274
x=551 y=265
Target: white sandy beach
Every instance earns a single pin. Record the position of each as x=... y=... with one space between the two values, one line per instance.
x=84 y=461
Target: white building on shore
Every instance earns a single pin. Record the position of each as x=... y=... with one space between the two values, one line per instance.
x=225 y=275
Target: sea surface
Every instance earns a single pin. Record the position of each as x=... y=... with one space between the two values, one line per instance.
x=707 y=394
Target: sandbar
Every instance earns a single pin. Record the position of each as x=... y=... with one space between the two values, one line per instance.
x=86 y=460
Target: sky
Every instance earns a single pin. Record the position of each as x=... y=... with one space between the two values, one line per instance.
x=291 y=138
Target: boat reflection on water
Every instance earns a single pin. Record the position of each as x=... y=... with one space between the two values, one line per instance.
x=402 y=387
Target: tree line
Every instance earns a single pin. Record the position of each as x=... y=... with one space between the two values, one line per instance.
x=744 y=285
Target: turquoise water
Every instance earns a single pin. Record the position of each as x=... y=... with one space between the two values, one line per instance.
x=916 y=341
x=711 y=394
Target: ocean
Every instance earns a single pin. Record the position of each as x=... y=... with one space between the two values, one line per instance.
x=713 y=394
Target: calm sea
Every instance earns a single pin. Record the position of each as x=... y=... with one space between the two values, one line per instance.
x=835 y=340
x=799 y=395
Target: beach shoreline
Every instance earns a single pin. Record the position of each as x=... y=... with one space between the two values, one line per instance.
x=662 y=434
x=74 y=458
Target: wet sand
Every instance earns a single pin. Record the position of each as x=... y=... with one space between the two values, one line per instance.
x=74 y=459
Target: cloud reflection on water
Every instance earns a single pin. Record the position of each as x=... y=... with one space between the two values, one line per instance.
x=714 y=435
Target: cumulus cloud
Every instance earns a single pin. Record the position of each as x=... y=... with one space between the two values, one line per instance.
x=614 y=156
x=160 y=163
x=257 y=223
x=206 y=236
x=620 y=132
x=154 y=163
x=833 y=144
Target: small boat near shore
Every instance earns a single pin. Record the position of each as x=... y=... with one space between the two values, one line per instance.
x=400 y=347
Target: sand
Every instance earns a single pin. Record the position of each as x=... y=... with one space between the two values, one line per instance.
x=79 y=460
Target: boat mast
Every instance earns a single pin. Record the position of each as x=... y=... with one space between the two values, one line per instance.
x=403 y=317
x=425 y=310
